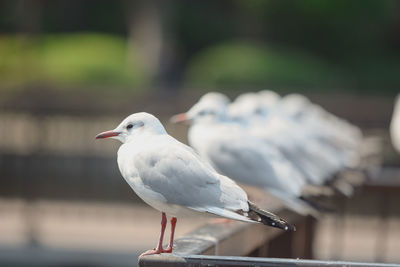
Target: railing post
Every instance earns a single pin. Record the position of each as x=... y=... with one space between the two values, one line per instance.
x=281 y=245
x=303 y=239
x=298 y=244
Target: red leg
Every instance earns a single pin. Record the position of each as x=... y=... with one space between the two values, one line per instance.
x=171 y=241
x=159 y=248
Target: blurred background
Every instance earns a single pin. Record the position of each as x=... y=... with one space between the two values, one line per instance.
x=70 y=69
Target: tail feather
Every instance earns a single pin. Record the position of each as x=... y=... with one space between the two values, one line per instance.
x=269 y=218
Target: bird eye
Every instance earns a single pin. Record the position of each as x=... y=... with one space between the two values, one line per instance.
x=206 y=112
x=129 y=126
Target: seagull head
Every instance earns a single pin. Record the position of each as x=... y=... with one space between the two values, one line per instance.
x=269 y=98
x=134 y=125
x=210 y=107
x=253 y=105
x=295 y=105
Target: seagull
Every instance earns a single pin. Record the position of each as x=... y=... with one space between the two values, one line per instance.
x=395 y=125
x=315 y=141
x=228 y=147
x=330 y=131
x=265 y=118
x=260 y=113
x=173 y=179
x=342 y=143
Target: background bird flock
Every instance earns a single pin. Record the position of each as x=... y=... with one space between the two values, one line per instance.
x=288 y=146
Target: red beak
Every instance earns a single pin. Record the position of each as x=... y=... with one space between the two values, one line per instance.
x=178 y=118
x=107 y=134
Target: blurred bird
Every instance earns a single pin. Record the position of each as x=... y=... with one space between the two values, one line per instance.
x=226 y=145
x=316 y=142
x=334 y=134
x=395 y=125
x=265 y=121
x=335 y=142
x=172 y=178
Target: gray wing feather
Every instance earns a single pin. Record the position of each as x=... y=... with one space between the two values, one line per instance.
x=182 y=178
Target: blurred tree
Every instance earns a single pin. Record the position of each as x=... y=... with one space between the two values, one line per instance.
x=29 y=16
x=149 y=31
x=239 y=64
x=359 y=38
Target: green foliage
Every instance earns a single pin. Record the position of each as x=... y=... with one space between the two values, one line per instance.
x=71 y=59
x=238 y=64
x=15 y=55
x=244 y=65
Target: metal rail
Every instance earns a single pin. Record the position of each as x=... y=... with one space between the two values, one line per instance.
x=203 y=260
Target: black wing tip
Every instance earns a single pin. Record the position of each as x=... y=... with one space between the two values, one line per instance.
x=290 y=227
x=270 y=219
x=281 y=224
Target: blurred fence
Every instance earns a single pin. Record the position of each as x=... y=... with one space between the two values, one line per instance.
x=48 y=150
x=26 y=134
x=57 y=157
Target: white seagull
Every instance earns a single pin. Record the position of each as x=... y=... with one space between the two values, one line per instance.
x=229 y=148
x=318 y=143
x=172 y=178
x=266 y=119
x=315 y=141
x=395 y=125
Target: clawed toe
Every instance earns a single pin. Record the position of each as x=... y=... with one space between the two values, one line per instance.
x=150 y=252
x=155 y=251
x=168 y=250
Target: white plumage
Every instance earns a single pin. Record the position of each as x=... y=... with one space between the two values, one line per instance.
x=172 y=178
x=228 y=146
x=395 y=125
x=279 y=144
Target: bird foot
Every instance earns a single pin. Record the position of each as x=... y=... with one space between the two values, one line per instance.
x=168 y=250
x=155 y=251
